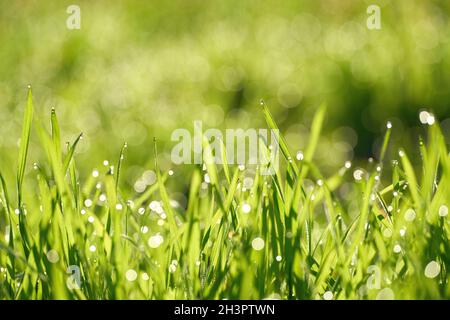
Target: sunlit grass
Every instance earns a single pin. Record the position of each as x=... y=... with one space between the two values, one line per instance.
x=242 y=235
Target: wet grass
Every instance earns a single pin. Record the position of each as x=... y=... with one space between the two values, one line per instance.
x=242 y=234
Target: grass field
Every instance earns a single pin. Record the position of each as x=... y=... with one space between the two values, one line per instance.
x=376 y=231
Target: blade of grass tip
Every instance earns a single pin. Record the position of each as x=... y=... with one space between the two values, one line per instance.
x=410 y=177
x=386 y=140
x=316 y=128
x=119 y=164
x=281 y=141
x=71 y=151
x=56 y=137
x=24 y=143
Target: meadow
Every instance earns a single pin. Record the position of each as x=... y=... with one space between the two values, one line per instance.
x=93 y=205
x=242 y=235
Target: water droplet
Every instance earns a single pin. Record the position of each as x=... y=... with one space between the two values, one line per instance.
x=258 y=243
x=155 y=241
x=52 y=256
x=423 y=117
x=389 y=125
x=358 y=174
x=397 y=248
x=141 y=211
x=278 y=258
x=105 y=163
x=443 y=210
x=88 y=203
x=102 y=197
x=410 y=215
x=432 y=270
x=91 y=219
x=119 y=206
x=131 y=275
x=299 y=156
x=387 y=233
x=144 y=229
x=246 y=208
x=92 y=248
x=95 y=173
x=385 y=294
x=328 y=295
x=145 y=276
x=348 y=164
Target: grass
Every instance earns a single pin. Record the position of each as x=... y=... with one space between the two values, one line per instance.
x=278 y=236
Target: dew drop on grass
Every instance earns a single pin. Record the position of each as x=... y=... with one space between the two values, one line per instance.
x=119 y=206
x=105 y=163
x=88 y=203
x=410 y=215
x=348 y=164
x=397 y=248
x=83 y=212
x=258 y=244
x=141 y=211
x=92 y=248
x=443 y=210
x=131 y=275
x=328 y=295
x=432 y=270
x=246 y=208
x=248 y=182
x=389 y=125
x=278 y=258
x=423 y=117
x=172 y=268
x=402 y=232
x=148 y=177
x=52 y=256
x=144 y=229
x=155 y=241
x=299 y=156
x=139 y=186
x=358 y=174
x=145 y=276
x=91 y=219
x=95 y=173
x=170 y=172
x=386 y=294
x=160 y=222
x=102 y=197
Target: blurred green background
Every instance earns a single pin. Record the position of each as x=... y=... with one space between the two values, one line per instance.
x=139 y=69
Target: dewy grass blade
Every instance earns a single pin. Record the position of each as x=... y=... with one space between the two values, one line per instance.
x=24 y=142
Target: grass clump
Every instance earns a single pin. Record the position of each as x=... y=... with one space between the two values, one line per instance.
x=242 y=235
